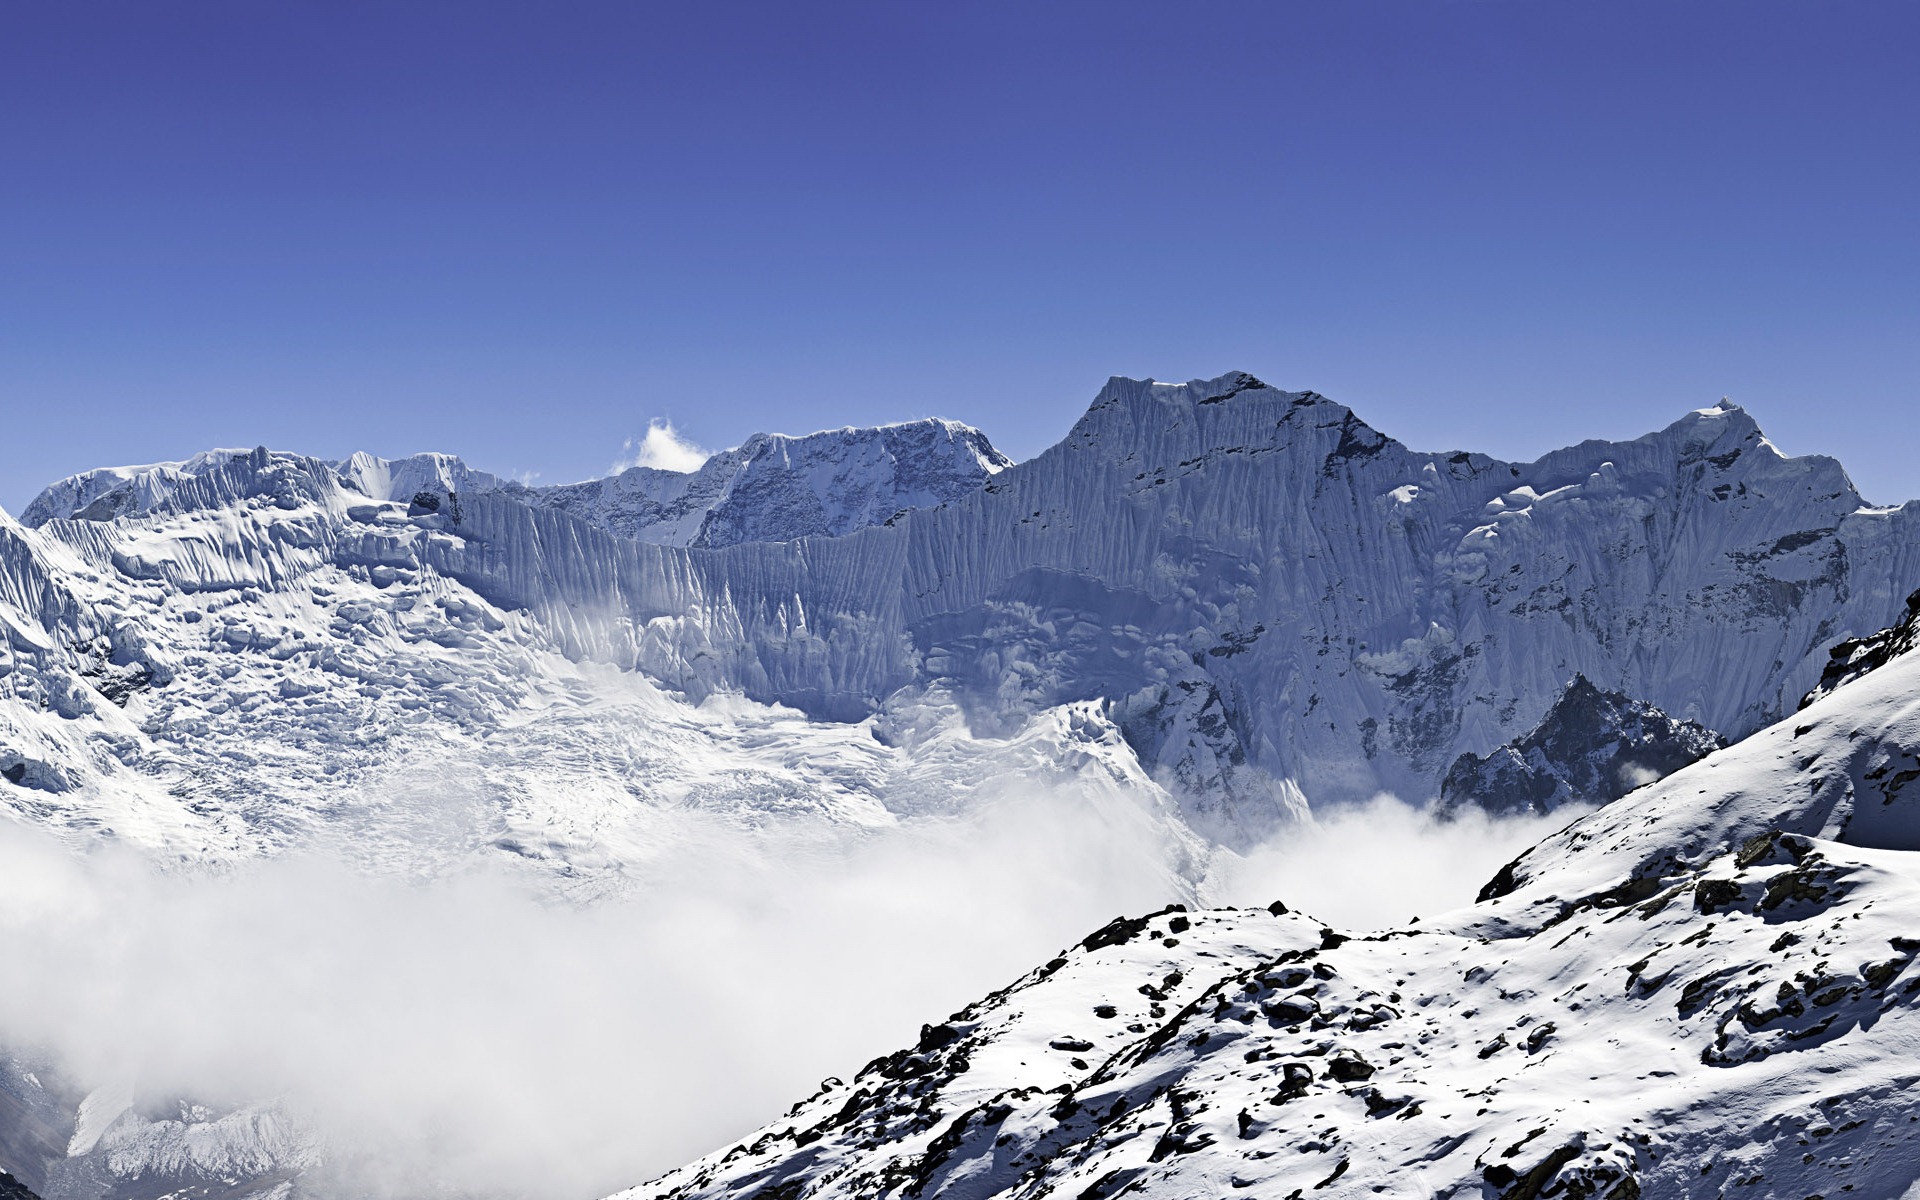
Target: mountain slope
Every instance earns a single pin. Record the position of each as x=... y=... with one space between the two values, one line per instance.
x=1706 y=987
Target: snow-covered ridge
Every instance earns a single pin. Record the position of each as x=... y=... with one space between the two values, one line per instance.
x=1857 y=656
x=777 y=487
x=1708 y=986
x=774 y=487
x=1269 y=600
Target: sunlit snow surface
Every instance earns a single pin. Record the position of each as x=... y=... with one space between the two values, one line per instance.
x=1707 y=988
x=290 y=669
x=1154 y=644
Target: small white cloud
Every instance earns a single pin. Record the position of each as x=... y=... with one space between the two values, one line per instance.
x=1377 y=864
x=1633 y=775
x=661 y=448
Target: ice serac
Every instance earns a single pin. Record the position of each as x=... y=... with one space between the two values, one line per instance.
x=1591 y=747
x=1272 y=602
x=1270 y=595
x=776 y=488
x=1707 y=988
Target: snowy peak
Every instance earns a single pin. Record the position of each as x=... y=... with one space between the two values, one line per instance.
x=1142 y=419
x=1274 y=602
x=834 y=482
x=399 y=480
x=108 y=492
x=779 y=487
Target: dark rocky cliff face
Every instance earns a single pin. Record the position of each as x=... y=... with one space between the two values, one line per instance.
x=1593 y=746
x=1855 y=657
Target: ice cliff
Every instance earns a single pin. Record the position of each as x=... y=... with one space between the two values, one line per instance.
x=1268 y=600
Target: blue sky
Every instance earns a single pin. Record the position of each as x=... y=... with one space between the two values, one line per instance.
x=520 y=232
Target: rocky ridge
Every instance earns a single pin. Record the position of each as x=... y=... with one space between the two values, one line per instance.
x=1592 y=747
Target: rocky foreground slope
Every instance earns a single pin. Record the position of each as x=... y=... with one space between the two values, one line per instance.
x=1707 y=988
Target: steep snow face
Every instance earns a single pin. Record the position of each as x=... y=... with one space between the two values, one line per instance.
x=269 y=655
x=1271 y=598
x=1590 y=748
x=1270 y=601
x=1707 y=986
x=776 y=488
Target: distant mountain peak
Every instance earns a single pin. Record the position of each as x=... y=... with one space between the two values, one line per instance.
x=1593 y=746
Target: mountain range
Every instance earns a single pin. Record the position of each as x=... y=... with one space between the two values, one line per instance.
x=1214 y=606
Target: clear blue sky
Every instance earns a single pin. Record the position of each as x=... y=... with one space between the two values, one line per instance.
x=519 y=232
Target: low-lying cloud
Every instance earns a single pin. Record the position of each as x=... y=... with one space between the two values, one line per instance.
x=475 y=1036
x=1379 y=864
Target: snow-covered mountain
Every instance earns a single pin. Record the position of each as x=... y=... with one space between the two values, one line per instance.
x=269 y=656
x=773 y=488
x=1707 y=988
x=776 y=488
x=1591 y=747
x=1248 y=594
x=1210 y=604
x=1266 y=598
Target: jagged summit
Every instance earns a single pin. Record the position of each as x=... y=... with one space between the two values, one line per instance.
x=773 y=487
x=1593 y=746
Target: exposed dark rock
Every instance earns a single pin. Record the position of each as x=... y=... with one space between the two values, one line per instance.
x=1593 y=746
x=1856 y=657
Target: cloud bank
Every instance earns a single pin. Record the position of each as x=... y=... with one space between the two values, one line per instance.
x=474 y=1035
